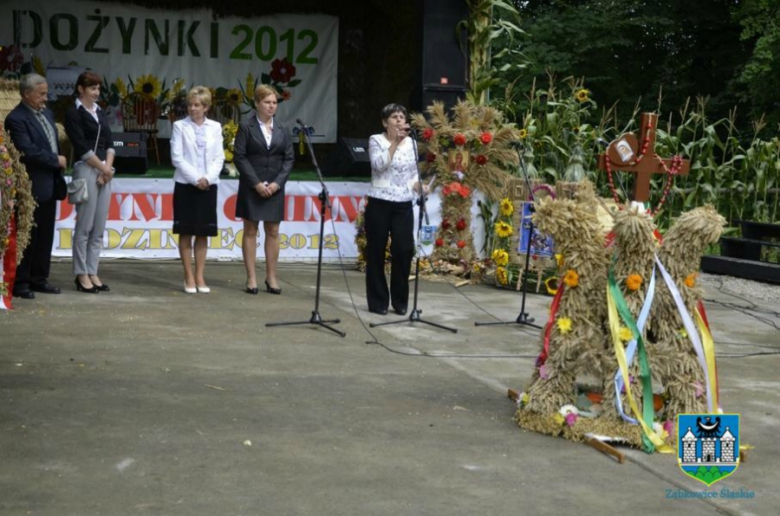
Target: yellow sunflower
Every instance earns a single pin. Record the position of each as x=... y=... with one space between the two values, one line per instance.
x=501 y=257
x=583 y=95
x=564 y=325
x=523 y=134
x=502 y=276
x=503 y=230
x=233 y=96
x=148 y=85
x=507 y=208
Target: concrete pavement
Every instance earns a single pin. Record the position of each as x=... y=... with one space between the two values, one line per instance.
x=145 y=400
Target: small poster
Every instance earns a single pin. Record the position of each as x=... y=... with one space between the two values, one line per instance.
x=428 y=234
x=541 y=244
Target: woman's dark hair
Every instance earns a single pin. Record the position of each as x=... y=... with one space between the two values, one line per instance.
x=87 y=79
x=390 y=109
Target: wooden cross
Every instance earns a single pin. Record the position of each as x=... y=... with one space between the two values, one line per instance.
x=626 y=154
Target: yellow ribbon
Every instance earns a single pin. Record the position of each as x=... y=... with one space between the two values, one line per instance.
x=620 y=354
x=708 y=345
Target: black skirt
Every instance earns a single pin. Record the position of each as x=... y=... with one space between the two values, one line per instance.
x=194 y=210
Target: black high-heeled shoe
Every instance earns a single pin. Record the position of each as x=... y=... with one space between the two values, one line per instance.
x=268 y=289
x=82 y=288
x=102 y=288
x=252 y=290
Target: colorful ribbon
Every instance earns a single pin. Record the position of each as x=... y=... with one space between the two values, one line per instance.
x=643 y=315
x=704 y=347
x=617 y=304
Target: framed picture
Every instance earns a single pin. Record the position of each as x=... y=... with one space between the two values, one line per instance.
x=458 y=160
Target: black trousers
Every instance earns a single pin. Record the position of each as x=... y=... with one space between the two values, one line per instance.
x=396 y=220
x=36 y=261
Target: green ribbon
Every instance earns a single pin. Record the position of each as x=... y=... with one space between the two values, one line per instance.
x=644 y=366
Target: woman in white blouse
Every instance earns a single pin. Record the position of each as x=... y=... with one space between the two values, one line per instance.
x=198 y=155
x=390 y=212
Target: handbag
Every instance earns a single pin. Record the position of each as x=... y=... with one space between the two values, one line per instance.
x=77 y=189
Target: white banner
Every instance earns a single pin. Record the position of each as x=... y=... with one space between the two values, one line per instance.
x=298 y=54
x=140 y=222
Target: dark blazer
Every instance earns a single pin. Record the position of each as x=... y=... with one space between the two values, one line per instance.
x=82 y=131
x=255 y=161
x=29 y=137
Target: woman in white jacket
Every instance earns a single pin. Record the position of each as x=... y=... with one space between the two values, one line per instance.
x=198 y=155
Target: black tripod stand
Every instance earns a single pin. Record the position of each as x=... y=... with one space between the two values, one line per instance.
x=316 y=318
x=414 y=314
x=522 y=317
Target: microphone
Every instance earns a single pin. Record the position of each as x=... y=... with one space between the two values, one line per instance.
x=601 y=141
x=300 y=122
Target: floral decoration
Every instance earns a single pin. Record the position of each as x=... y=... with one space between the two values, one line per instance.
x=459 y=139
x=634 y=282
x=481 y=159
x=501 y=275
x=500 y=257
x=503 y=230
x=564 y=324
x=690 y=279
x=625 y=334
x=582 y=95
x=486 y=138
x=229 y=131
x=571 y=278
x=281 y=78
x=506 y=207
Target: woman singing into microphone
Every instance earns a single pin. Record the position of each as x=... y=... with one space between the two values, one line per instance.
x=389 y=212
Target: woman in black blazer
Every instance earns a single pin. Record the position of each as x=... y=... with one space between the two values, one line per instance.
x=88 y=129
x=263 y=154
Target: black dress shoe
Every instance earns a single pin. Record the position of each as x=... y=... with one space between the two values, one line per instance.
x=268 y=288
x=253 y=290
x=401 y=311
x=102 y=288
x=24 y=293
x=383 y=311
x=82 y=288
x=46 y=288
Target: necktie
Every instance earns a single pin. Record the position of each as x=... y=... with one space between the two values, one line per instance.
x=48 y=130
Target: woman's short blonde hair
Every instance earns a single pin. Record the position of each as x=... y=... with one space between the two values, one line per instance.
x=262 y=91
x=202 y=93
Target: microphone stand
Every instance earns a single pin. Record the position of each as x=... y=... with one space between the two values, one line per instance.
x=414 y=314
x=324 y=197
x=522 y=317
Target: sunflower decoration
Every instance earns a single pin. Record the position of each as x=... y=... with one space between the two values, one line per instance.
x=234 y=97
x=500 y=257
x=582 y=95
x=229 y=131
x=148 y=85
x=502 y=276
x=506 y=207
x=503 y=230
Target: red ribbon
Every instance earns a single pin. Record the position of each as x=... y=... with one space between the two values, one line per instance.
x=9 y=264
x=548 y=327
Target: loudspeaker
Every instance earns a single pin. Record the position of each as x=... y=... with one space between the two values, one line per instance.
x=131 y=157
x=444 y=66
x=349 y=159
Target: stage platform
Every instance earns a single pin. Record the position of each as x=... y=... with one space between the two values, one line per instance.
x=145 y=400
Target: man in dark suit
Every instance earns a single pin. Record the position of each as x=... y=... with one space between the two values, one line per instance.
x=31 y=128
